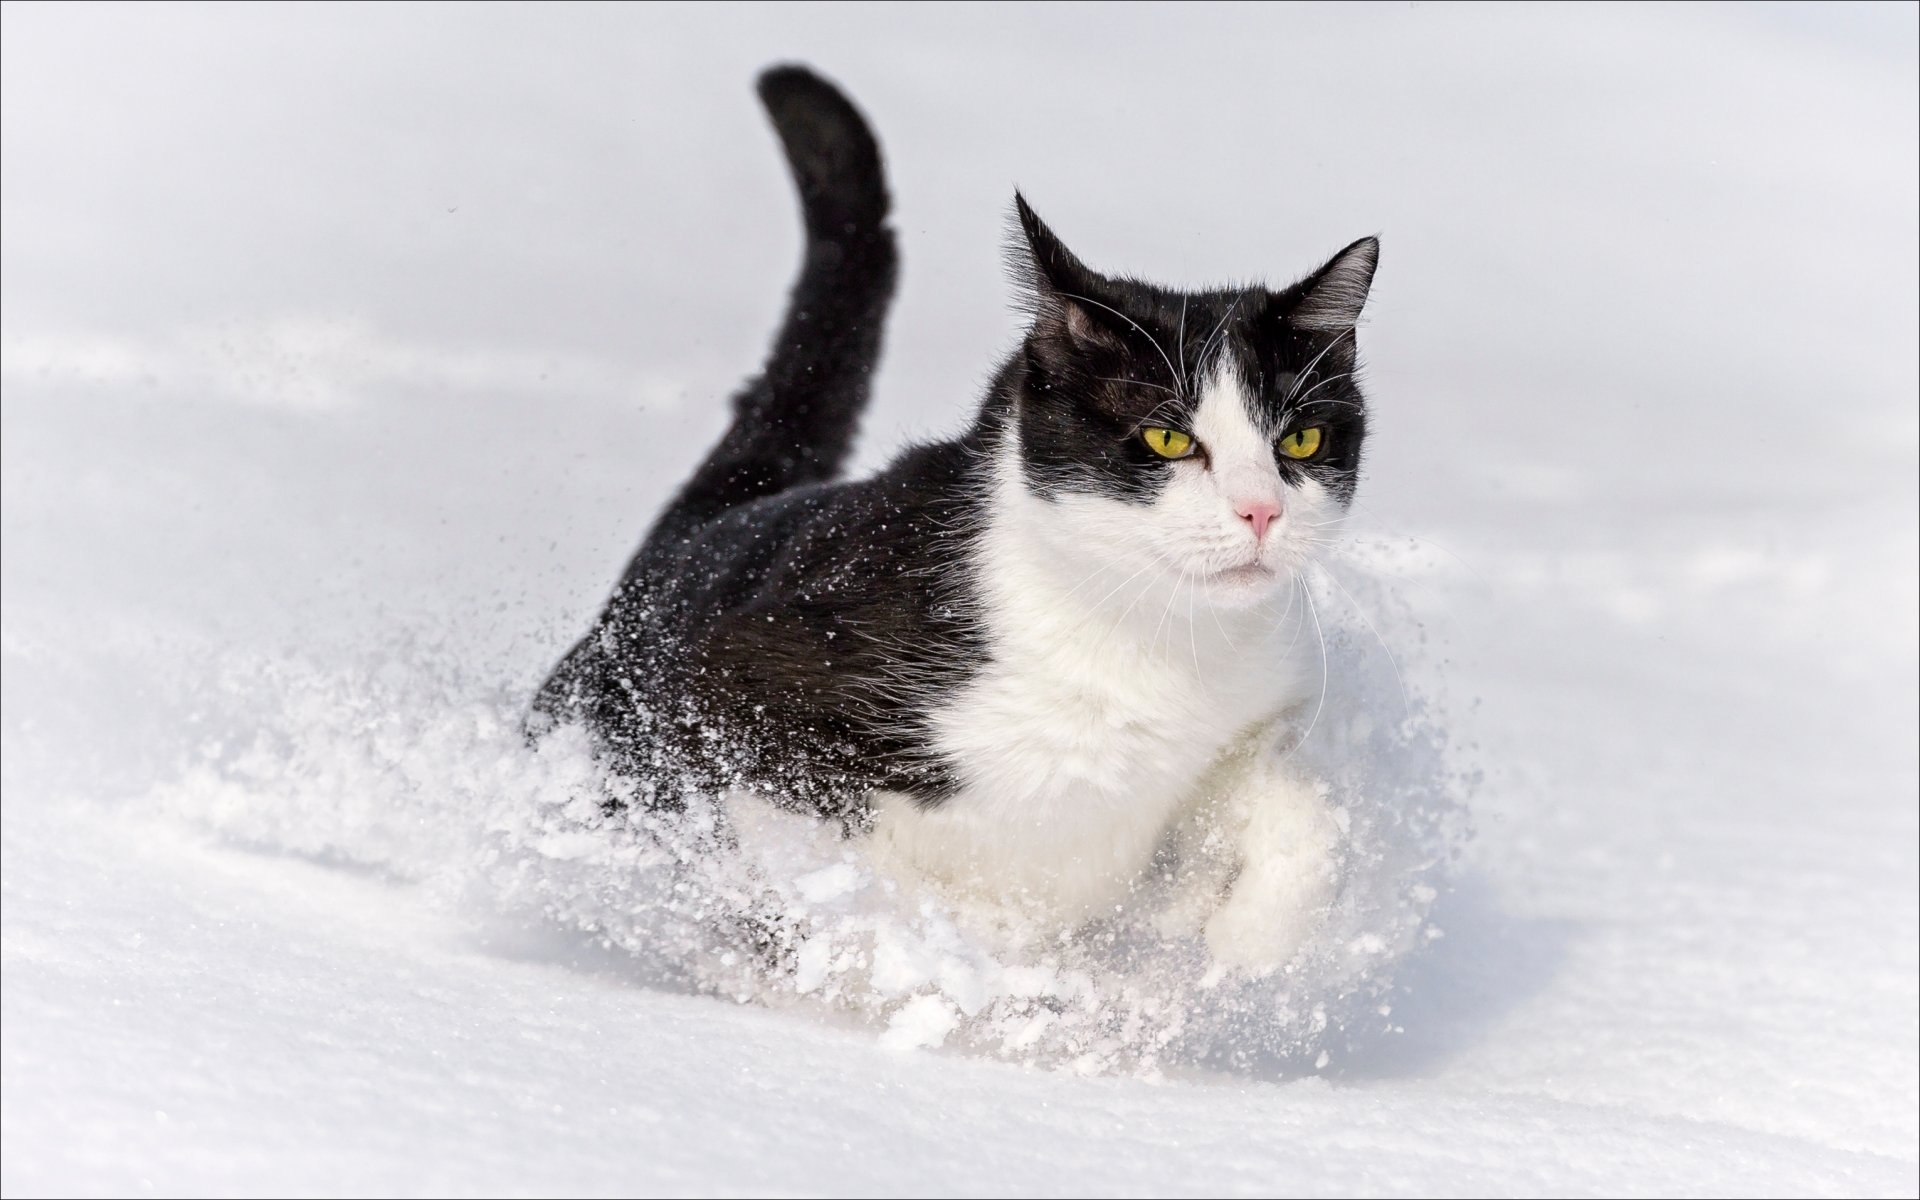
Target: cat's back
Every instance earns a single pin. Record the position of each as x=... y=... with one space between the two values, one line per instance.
x=809 y=629
x=891 y=540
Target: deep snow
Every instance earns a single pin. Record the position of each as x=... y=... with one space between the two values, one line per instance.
x=345 y=354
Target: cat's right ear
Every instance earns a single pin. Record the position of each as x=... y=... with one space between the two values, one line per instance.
x=1056 y=286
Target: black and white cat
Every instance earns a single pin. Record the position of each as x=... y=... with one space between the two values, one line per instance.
x=1018 y=665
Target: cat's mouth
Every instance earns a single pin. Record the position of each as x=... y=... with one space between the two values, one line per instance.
x=1245 y=573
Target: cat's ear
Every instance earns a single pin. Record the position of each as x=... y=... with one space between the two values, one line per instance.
x=1057 y=286
x=1043 y=263
x=1332 y=297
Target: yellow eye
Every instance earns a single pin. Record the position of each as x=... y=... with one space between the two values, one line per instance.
x=1167 y=443
x=1303 y=443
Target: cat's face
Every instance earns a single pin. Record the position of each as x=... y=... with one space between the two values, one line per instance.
x=1206 y=441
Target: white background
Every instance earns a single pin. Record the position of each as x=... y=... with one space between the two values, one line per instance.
x=367 y=338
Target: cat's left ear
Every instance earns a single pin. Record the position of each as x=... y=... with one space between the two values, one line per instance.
x=1332 y=297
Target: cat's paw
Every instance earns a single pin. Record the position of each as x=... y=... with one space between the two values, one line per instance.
x=1287 y=881
x=1258 y=934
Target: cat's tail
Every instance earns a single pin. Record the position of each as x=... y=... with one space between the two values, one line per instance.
x=794 y=423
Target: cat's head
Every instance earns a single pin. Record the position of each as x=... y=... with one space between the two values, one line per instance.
x=1212 y=437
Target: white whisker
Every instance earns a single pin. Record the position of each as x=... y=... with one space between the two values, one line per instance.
x=1302 y=377
x=1180 y=347
x=1218 y=329
x=1314 y=612
x=1406 y=706
x=1129 y=320
x=1137 y=382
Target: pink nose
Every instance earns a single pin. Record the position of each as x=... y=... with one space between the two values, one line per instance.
x=1259 y=514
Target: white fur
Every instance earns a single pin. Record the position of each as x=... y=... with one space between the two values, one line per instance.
x=1124 y=666
x=1267 y=840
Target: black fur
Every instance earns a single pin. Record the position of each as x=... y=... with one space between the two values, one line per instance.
x=781 y=631
x=1108 y=357
x=772 y=629
x=795 y=424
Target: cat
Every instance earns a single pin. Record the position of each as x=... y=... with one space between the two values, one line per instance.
x=1017 y=665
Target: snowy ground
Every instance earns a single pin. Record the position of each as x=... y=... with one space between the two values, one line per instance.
x=346 y=352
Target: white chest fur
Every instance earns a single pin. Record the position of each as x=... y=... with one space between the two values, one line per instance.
x=1107 y=699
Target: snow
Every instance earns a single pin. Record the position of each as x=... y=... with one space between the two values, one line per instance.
x=345 y=354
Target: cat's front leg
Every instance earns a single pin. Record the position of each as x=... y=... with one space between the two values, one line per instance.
x=1286 y=840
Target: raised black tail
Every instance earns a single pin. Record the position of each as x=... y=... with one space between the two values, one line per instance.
x=794 y=423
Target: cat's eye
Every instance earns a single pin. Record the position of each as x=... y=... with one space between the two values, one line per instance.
x=1167 y=443
x=1304 y=443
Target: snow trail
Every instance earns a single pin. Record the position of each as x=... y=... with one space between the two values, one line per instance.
x=418 y=770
